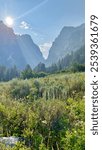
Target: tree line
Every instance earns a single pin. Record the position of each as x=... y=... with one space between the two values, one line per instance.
x=72 y=62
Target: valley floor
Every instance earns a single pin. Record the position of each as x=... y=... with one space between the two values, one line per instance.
x=47 y=113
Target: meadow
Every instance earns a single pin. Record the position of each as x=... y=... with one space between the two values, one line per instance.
x=46 y=113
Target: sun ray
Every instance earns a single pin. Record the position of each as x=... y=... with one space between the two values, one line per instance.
x=32 y=9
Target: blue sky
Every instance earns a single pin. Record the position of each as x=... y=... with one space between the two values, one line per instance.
x=43 y=19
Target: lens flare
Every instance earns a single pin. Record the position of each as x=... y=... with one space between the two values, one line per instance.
x=9 y=21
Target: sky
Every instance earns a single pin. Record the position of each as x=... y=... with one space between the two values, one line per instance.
x=43 y=19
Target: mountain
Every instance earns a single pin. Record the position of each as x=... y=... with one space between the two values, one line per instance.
x=17 y=50
x=69 y=39
x=30 y=50
x=20 y=50
x=10 y=52
x=76 y=57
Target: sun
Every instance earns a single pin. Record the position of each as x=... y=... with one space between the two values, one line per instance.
x=9 y=21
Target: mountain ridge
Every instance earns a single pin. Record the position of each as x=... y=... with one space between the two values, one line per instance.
x=70 y=39
x=21 y=50
x=18 y=50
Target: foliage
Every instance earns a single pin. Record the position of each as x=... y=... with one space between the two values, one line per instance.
x=67 y=63
x=40 y=68
x=27 y=73
x=47 y=113
x=7 y=74
x=77 y=68
x=60 y=86
x=72 y=62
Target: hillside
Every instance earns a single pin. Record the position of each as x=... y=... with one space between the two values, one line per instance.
x=70 y=39
x=20 y=50
x=30 y=50
x=17 y=50
x=74 y=62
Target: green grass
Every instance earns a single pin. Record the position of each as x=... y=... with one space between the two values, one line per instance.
x=47 y=112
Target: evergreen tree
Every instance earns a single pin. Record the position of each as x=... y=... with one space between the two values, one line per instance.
x=27 y=72
x=40 y=68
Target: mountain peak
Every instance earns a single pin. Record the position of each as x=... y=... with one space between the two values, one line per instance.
x=4 y=25
x=18 y=50
x=1 y=22
x=70 y=39
x=71 y=28
x=25 y=36
x=5 y=29
x=68 y=28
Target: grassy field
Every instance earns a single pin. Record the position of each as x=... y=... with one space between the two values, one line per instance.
x=48 y=113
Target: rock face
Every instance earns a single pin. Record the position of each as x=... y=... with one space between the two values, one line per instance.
x=20 y=50
x=30 y=50
x=17 y=50
x=69 y=39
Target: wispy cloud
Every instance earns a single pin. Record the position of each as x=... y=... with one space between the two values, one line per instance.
x=24 y=25
x=45 y=49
